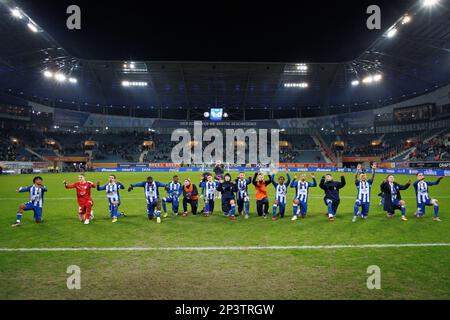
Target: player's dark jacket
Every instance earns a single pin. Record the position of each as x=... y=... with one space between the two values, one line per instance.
x=219 y=170
x=227 y=189
x=331 y=188
x=386 y=194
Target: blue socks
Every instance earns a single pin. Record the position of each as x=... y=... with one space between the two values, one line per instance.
x=356 y=210
x=233 y=209
x=164 y=205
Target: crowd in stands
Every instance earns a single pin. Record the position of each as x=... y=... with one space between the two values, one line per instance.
x=436 y=149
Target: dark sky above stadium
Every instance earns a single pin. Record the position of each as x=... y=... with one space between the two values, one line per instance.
x=233 y=30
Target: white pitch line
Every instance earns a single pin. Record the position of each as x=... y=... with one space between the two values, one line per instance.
x=140 y=197
x=231 y=248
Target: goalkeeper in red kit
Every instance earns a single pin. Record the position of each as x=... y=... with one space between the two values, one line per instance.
x=84 y=199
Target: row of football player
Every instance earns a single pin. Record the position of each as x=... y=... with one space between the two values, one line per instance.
x=235 y=192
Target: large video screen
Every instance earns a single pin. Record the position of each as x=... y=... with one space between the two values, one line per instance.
x=216 y=114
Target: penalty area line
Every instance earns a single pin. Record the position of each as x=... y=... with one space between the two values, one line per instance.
x=230 y=248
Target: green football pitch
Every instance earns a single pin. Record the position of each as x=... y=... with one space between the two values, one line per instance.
x=215 y=258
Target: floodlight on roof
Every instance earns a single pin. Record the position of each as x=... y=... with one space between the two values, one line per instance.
x=406 y=19
x=391 y=33
x=60 y=77
x=430 y=3
x=16 y=13
x=32 y=27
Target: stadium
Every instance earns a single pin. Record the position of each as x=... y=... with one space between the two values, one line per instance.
x=190 y=174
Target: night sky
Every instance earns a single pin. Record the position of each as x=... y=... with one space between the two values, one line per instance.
x=276 y=31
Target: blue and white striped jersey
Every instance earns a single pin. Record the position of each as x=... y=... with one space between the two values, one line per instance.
x=174 y=189
x=150 y=189
x=242 y=186
x=421 y=188
x=112 y=191
x=302 y=189
x=36 y=195
x=281 y=193
x=422 y=192
x=393 y=191
x=364 y=188
x=210 y=189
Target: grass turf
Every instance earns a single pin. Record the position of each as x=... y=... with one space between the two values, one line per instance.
x=406 y=273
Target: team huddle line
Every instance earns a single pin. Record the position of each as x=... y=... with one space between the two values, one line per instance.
x=234 y=193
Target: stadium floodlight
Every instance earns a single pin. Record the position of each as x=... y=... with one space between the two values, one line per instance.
x=430 y=3
x=73 y=80
x=377 y=77
x=48 y=74
x=355 y=83
x=127 y=83
x=206 y=114
x=368 y=79
x=302 y=67
x=16 y=13
x=391 y=33
x=60 y=77
x=225 y=115
x=406 y=19
x=296 y=85
x=32 y=27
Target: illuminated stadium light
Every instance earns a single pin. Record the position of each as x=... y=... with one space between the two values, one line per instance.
x=60 y=77
x=48 y=74
x=355 y=83
x=368 y=79
x=32 y=27
x=134 y=83
x=134 y=67
x=206 y=114
x=391 y=33
x=296 y=85
x=73 y=80
x=302 y=67
x=377 y=77
x=225 y=115
x=16 y=13
x=430 y=3
x=406 y=19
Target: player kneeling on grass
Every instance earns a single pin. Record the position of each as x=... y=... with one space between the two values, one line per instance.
x=173 y=195
x=227 y=188
x=392 y=198
x=364 y=187
x=112 y=194
x=36 y=202
x=301 y=198
x=210 y=188
x=423 y=199
x=152 y=196
x=331 y=198
x=190 y=195
x=280 y=195
x=262 y=201
x=243 y=200
x=84 y=199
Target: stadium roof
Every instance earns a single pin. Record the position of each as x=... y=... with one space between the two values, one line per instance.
x=408 y=61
